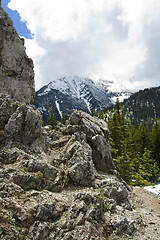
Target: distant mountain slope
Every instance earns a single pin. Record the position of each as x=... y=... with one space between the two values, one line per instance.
x=144 y=106
x=68 y=94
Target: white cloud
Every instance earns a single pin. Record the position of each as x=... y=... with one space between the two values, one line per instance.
x=106 y=39
x=35 y=52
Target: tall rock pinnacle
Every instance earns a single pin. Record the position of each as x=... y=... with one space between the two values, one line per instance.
x=16 y=69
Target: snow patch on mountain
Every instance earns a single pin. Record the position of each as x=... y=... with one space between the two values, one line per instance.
x=80 y=88
x=74 y=86
x=70 y=93
x=122 y=96
x=58 y=108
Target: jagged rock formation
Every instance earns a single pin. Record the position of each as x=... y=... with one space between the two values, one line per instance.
x=58 y=184
x=16 y=69
x=54 y=183
x=20 y=124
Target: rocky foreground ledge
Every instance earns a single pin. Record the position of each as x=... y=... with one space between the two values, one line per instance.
x=61 y=183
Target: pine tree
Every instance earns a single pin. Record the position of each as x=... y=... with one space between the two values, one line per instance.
x=64 y=118
x=136 y=151
x=101 y=114
x=42 y=123
x=92 y=113
x=149 y=168
x=118 y=129
x=155 y=142
x=142 y=139
x=51 y=118
x=125 y=166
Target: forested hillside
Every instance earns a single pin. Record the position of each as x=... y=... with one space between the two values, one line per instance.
x=134 y=127
x=135 y=149
x=143 y=106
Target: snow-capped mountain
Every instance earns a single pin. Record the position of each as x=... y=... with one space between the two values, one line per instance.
x=68 y=94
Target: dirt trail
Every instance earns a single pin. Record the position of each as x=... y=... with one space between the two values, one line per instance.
x=147 y=205
x=147 y=211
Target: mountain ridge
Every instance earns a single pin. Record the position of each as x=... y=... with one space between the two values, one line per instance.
x=74 y=93
x=143 y=106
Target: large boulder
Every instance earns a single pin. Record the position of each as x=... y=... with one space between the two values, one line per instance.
x=97 y=136
x=16 y=69
x=20 y=125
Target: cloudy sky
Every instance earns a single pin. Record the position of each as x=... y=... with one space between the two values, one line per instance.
x=115 y=40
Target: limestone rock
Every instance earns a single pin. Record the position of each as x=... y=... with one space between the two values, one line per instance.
x=20 y=125
x=97 y=135
x=16 y=69
x=50 y=183
x=54 y=183
x=58 y=183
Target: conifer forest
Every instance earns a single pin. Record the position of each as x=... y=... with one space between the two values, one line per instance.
x=135 y=149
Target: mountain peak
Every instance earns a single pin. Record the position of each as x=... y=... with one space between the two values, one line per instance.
x=67 y=85
x=69 y=93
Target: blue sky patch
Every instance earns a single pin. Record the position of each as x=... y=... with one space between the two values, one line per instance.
x=20 y=26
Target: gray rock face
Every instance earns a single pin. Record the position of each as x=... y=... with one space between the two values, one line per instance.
x=58 y=183
x=16 y=69
x=20 y=125
x=97 y=136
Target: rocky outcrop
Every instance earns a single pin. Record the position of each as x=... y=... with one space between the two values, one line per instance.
x=20 y=125
x=16 y=69
x=54 y=183
x=58 y=183
x=97 y=136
